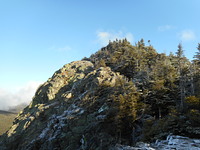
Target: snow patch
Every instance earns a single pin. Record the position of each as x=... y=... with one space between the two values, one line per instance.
x=172 y=142
x=56 y=123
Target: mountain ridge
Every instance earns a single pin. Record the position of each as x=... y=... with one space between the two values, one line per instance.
x=122 y=94
x=6 y=112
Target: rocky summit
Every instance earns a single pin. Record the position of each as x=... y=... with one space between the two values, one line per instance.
x=122 y=97
x=69 y=111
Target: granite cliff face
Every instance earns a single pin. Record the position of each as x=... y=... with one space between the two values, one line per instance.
x=119 y=96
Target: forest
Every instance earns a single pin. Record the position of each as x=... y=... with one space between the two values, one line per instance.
x=167 y=88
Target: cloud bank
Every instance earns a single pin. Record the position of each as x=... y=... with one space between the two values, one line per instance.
x=103 y=37
x=23 y=94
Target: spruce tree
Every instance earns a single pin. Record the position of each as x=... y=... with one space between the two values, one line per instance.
x=196 y=63
x=180 y=55
x=197 y=56
x=180 y=51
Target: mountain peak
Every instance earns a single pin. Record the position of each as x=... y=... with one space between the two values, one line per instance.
x=122 y=94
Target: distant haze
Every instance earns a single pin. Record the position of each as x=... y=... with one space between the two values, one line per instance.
x=18 y=95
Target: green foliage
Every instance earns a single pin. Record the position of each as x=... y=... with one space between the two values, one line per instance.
x=101 y=63
x=125 y=109
x=164 y=84
x=158 y=85
x=138 y=94
x=180 y=51
x=193 y=102
x=197 y=55
x=193 y=116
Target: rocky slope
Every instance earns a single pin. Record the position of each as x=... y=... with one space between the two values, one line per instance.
x=103 y=102
x=69 y=111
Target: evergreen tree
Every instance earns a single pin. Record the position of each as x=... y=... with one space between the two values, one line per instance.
x=180 y=55
x=180 y=51
x=197 y=56
x=141 y=43
x=196 y=65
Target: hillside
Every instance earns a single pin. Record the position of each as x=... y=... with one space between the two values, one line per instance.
x=7 y=117
x=6 y=120
x=121 y=95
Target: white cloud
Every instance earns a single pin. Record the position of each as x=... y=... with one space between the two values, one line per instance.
x=187 y=35
x=22 y=94
x=165 y=28
x=103 y=37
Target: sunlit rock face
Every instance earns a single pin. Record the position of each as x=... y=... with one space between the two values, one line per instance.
x=69 y=111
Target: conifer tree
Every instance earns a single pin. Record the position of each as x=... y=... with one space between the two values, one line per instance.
x=180 y=51
x=180 y=55
x=196 y=64
x=197 y=56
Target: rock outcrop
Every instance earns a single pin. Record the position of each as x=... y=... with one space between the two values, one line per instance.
x=118 y=98
x=69 y=111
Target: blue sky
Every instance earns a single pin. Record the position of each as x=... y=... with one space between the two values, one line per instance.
x=37 y=37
